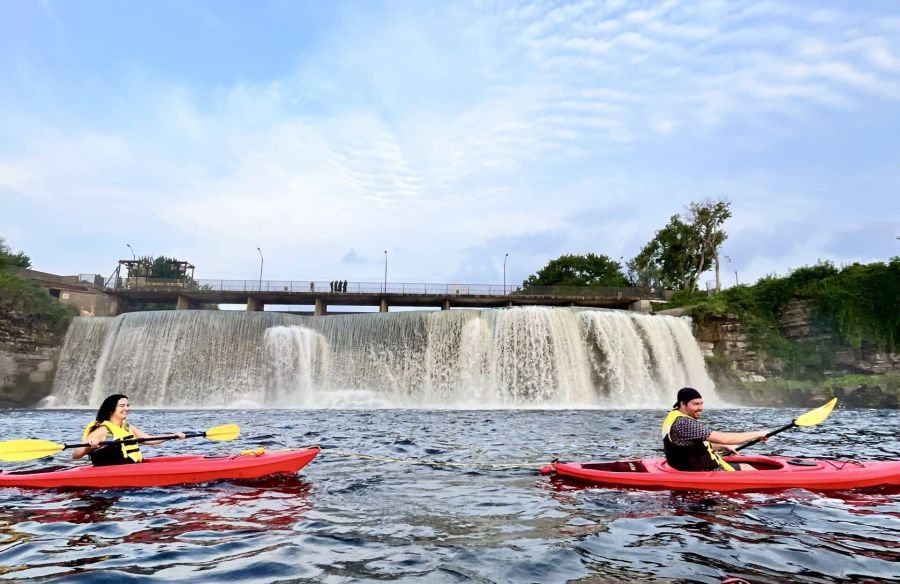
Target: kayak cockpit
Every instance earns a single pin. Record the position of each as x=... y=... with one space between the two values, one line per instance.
x=617 y=466
x=757 y=462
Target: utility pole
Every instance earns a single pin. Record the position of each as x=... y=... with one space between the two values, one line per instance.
x=718 y=282
x=384 y=290
x=260 y=267
x=504 y=273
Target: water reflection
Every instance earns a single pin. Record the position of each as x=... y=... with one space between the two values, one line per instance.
x=345 y=519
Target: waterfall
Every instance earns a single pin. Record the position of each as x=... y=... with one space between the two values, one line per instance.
x=510 y=357
x=297 y=360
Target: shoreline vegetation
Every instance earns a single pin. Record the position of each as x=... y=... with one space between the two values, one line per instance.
x=21 y=299
x=849 y=319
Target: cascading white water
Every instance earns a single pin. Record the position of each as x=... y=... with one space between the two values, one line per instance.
x=298 y=363
x=517 y=357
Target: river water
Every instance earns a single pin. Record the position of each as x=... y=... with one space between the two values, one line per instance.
x=347 y=518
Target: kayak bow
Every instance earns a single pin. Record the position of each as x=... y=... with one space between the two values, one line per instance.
x=165 y=470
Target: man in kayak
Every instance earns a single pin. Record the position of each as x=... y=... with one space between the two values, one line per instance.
x=111 y=424
x=691 y=445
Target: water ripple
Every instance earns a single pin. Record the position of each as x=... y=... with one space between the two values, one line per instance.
x=347 y=519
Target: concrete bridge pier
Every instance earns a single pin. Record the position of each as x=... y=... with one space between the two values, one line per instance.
x=183 y=303
x=120 y=306
x=383 y=306
x=640 y=306
x=321 y=307
x=445 y=304
x=255 y=304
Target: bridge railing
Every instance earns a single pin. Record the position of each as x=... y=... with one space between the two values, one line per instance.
x=369 y=288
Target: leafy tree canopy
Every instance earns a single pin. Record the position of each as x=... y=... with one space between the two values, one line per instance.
x=682 y=250
x=159 y=268
x=10 y=259
x=579 y=270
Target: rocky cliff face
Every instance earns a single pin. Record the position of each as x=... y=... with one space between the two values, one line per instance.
x=728 y=337
x=28 y=354
x=726 y=342
x=798 y=324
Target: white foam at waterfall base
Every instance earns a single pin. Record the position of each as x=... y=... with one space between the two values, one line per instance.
x=535 y=357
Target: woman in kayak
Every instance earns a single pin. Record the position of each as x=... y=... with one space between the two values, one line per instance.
x=111 y=424
x=691 y=445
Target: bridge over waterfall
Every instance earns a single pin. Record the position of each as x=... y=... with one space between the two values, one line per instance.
x=131 y=293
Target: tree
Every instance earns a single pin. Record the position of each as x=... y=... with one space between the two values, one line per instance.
x=579 y=270
x=160 y=268
x=166 y=271
x=682 y=250
x=10 y=259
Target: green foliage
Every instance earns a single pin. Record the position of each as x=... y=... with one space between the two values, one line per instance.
x=10 y=259
x=21 y=295
x=864 y=302
x=683 y=249
x=888 y=381
x=30 y=299
x=858 y=302
x=716 y=362
x=159 y=268
x=578 y=270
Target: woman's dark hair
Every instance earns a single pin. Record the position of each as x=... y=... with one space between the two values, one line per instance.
x=106 y=409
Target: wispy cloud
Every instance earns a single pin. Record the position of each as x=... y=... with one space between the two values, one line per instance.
x=451 y=133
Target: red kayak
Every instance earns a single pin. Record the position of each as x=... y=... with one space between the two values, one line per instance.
x=165 y=470
x=773 y=472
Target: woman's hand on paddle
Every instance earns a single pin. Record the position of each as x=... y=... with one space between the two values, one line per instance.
x=180 y=435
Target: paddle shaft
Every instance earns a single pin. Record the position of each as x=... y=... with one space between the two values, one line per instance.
x=769 y=435
x=135 y=440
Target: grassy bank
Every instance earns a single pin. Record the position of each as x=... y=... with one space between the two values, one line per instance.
x=22 y=298
x=852 y=390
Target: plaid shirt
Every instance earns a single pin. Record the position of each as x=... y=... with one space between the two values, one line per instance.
x=685 y=431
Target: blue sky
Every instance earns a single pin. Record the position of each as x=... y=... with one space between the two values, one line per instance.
x=448 y=134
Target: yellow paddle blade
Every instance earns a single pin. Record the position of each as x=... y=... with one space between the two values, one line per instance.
x=28 y=449
x=816 y=416
x=223 y=432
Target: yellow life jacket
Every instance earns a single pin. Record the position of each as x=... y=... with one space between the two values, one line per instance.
x=667 y=427
x=129 y=450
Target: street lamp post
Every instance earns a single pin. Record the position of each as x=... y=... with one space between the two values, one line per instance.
x=260 y=267
x=504 y=272
x=133 y=255
x=384 y=290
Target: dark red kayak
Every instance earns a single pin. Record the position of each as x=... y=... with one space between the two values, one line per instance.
x=773 y=472
x=165 y=470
